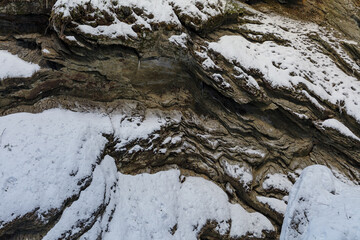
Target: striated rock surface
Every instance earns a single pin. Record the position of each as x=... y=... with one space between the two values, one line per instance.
x=189 y=119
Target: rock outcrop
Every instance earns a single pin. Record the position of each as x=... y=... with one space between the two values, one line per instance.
x=242 y=96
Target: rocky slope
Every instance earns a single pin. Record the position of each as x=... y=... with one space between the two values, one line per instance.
x=238 y=98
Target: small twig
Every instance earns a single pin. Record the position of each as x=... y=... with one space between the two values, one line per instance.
x=2 y=135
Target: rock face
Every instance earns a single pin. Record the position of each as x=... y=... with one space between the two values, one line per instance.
x=242 y=96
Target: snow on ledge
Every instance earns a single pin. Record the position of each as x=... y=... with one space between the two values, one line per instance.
x=277 y=181
x=291 y=67
x=241 y=173
x=274 y=204
x=11 y=66
x=179 y=40
x=338 y=126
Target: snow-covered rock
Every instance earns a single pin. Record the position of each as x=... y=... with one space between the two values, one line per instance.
x=290 y=67
x=258 y=95
x=277 y=181
x=49 y=158
x=322 y=207
x=46 y=159
x=134 y=19
x=160 y=206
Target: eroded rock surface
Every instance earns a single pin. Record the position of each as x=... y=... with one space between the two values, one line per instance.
x=217 y=89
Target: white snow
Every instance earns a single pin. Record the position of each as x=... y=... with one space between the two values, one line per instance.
x=161 y=11
x=273 y=203
x=251 y=82
x=148 y=206
x=252 y=152
x=112 y=31
x=277 y=181
x=49 y=157
x=296 y=33
x=11 y=66
x=83 y=211
x=337 y=125
x=176 y=139
x=71 y=38
x=210 y=8
x=300 y=115
x=46 y=51
x=322 y=207
x=180 y=40
x=241 y=173
x=248 y=223
x=44 y=156
x=313 y=100
x=207 y=63
x=219 y=79
x=166 y=141
x=291 y=66
x=128 y=129
x=136 y=148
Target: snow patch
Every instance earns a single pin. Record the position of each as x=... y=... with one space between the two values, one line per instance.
x=322 y=207
x=180 y=40
x=46 y=51
x=11 y=66
x=277 y=181
x=338 y=126
x=273 y=203
x=238 y=172
x=207 y=63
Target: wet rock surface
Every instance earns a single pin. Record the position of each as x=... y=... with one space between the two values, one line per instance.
x=233 y=126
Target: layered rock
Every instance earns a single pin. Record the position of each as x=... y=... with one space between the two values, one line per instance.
x=241 y=98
